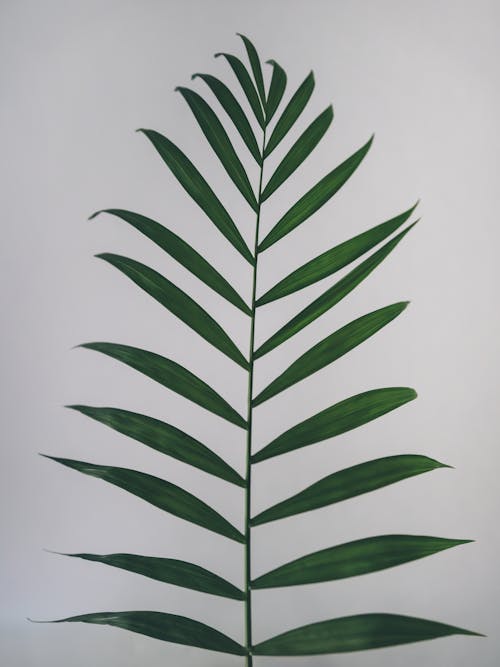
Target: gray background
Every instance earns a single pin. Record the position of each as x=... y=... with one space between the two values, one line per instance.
x=77 y=79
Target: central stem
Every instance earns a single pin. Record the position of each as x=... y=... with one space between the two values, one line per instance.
x=248 y=494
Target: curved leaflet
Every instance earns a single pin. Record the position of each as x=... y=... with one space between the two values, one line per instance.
x=354 y=558
x=331 y=348
x=170 y=375
x=170 y=571
x=334 y=259
x=246 y=83
x=233 y=109
x=217 y=138
x=331 y=297
x=349 y=483
x=356 y=633
x=314 y=199
x=167 y=627
x=303 y=147
x=253 y=57
x=163 y=437
x=291 y=113
x=276 y=90
x=160 y=493
x=178 y=302
x=350 y=413
x=198 y=189
x=182 y=252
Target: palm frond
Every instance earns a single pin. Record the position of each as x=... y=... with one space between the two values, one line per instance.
x=360 y=557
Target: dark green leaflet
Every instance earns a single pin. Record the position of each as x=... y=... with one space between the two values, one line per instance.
x=276 y=90
x=301 y=149
x=354 y=558
x=331 y=348
x=331 y=297
x=246 y=83
x=163 y=437
x=182 y=252
x=160 y=493
x=167 y=627
x=339 y=418
x=356 y=633
x=233 y=109
x=170 y=571
x=334 y=259
x=314 y=199
x=171 y=375
x=217 y=137
x=199 y=190
x=349 y=483
x=179 y=303
x=256 y=67
x=292 y=111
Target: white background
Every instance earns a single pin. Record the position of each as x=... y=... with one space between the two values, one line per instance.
x=77 y=79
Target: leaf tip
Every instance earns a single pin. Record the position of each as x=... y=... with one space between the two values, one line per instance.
x=57 y=553
x=94 y=215
x=47 y=456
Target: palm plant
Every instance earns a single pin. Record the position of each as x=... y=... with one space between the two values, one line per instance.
x=351 y=633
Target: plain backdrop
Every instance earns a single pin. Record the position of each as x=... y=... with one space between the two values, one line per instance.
x=77 y=78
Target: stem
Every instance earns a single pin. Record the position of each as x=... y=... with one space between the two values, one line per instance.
x=248 y=493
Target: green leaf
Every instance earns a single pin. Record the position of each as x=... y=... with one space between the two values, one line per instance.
x=344 y=416
x=233 y=109
x=331 y=348
x=182 y=252
x=315 y=197
x=301 y=149
x=331 y=297
x=178 y=303
x=276 y=90
x=354 y=558
x=334 y=259
x=199 y=190
x=217 y=138
x=167 y=627
x=291 y=112
x=256 y=67
x=170 y=375
x=356 y=633
x=170 y=571
x=349 y=483
x=163 y=437
x=160 y=493
x=246 y=83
